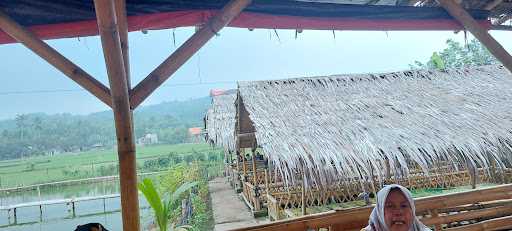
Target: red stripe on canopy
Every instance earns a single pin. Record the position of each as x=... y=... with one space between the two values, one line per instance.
x=244 y=20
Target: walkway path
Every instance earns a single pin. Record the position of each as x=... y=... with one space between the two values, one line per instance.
x=229 y=211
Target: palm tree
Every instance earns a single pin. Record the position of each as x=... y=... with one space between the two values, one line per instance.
x=163 y=208
x=21 y=123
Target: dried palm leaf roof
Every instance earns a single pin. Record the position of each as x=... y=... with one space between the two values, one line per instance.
x=343 y=125
x=220 y=121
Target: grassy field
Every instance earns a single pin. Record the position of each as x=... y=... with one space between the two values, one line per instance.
x=68 y=166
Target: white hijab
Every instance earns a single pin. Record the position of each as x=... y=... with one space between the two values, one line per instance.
x=377 y=221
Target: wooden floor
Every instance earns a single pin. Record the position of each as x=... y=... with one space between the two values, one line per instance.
x=229 y=211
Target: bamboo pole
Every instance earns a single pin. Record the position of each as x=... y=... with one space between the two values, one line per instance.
x=435 y=214
x=112 y=51
x=468 y=215
x=244 y=164
x=122 y=27
x=158 y=76
x=303 y=195
x=254 y=170
x=267 y=189
x=57 y=60
x=493 y=4
x=502 y=223
x=459 y=13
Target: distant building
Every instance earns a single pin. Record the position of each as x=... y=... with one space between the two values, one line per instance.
x=149 y=138
x=194 y=134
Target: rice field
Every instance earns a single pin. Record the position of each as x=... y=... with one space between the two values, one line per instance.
x=60 y=167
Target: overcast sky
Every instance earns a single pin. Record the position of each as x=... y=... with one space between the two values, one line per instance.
x=30 y=85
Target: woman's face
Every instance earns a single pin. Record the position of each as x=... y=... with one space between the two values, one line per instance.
x=397 y=211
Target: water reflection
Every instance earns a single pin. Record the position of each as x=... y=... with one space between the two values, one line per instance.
x=60 y=216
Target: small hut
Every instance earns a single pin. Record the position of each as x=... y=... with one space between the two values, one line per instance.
x=336 y=136
x=219 y=125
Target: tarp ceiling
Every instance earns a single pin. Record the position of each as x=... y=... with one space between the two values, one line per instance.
x=72 y=18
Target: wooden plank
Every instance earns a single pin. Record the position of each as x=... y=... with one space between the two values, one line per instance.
x=502 y=223
x=480 y=33
x=53 y=57
x=469 y=215
x=112 y=52
x=158 y=76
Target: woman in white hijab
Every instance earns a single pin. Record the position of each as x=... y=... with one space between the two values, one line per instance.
x=394 y=211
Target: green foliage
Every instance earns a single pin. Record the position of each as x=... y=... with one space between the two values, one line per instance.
x=40 y=134
x=457 y=56
x=201 y=216
x=198 y=172
x=163 y=208
x=437 y=61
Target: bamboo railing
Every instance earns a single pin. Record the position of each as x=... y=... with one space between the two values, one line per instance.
x=482 y=209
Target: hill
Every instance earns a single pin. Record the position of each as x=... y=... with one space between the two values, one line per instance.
x=39 y=133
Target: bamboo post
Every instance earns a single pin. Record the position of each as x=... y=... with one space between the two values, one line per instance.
x=254 y=173
x=158 y=76
x=73 y=208
x=257 y=204
x=303 y=195
x=39 y=193
x=116 y=71
x=491 y=5
x=434 y=214
x=472 y=173
x=15 y=216
x=267 y=181
x=54 y=58
x=122 y=27
x=388 y=170
x=244 y=165
x=459 y=13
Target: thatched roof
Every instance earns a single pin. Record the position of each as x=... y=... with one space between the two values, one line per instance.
x=337 y=126
x=220 y=121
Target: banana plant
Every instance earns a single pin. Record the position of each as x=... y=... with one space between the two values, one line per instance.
x=163 y=208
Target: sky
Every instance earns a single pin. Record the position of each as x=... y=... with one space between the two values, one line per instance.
x=30 y=85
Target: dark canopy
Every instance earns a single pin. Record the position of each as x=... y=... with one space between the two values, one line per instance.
x=72 y=18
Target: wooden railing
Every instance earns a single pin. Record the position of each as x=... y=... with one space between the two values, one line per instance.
x=472 y=207
x=291 y=196
x=281 y=198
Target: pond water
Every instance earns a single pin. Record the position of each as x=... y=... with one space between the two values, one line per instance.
x=60 y=217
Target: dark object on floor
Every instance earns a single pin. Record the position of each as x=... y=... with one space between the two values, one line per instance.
x=91 y=227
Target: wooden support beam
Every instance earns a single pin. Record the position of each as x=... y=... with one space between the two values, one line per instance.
x=158 y=76
x=493 y=4
x=459 y=13
x=105 y=13
x=54 y=58
x=122 y=27
x=254 y=170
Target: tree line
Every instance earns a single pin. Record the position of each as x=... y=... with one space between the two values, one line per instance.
x=40 y=134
